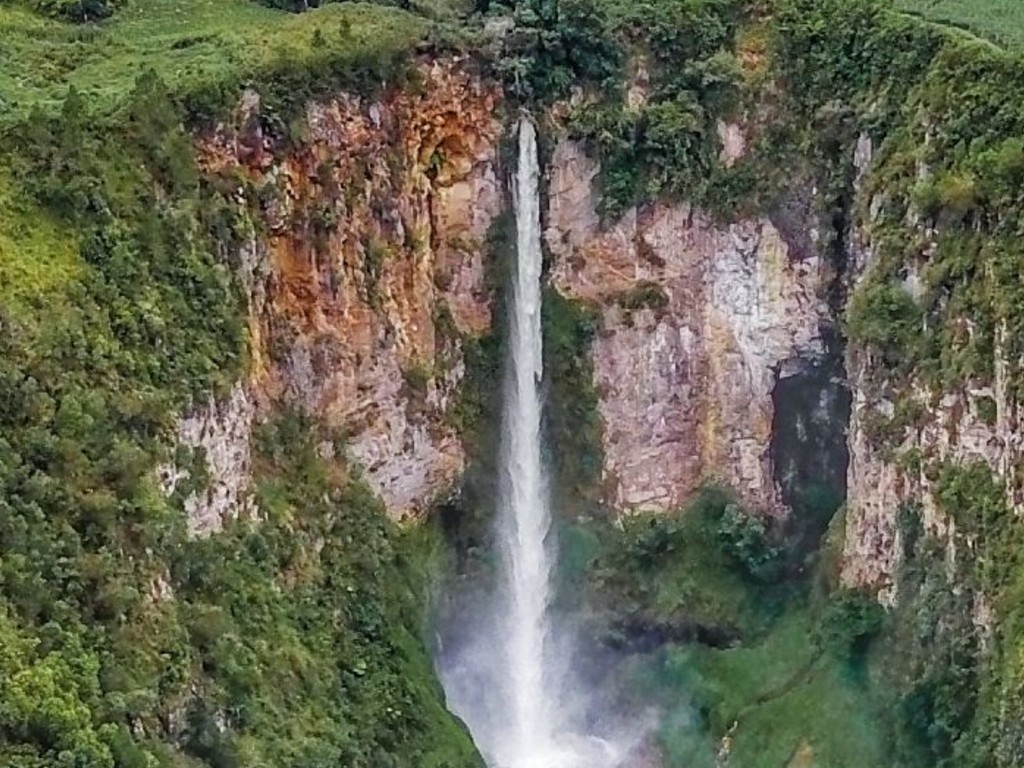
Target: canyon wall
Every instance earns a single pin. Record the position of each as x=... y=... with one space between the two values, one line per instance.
x=360 y=242
x=970 y=424
x=699 y=320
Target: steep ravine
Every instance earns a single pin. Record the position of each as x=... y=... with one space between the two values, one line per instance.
x=364 y=254
x=364 y=260
x=715 y=358
x=252 y=355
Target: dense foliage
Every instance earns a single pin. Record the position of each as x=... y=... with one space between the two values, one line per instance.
x=573 y=426
x=711 y=565
x=555 y=45
x=306 y=626
x=664 y=142
x=123 y=644
x=772 y=665
x=939 y=310
x=946 y=184
x=294 y=640
x=849 y=622
x=91 y=373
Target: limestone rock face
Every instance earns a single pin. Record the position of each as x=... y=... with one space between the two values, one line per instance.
x=952 y=428
x=364 y=265
x=698 y=321
x=222 y=432
x=974 y=424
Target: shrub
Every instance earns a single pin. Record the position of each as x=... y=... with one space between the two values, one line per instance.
x=745 y=538
x=849 y=622
x=884 y=316
x=78 y=10
x=986 y=409
x=417 y=376
x=644 y=295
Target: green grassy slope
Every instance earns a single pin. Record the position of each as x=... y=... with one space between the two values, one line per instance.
x=1001 y=21
x=190 y=44
x=778 y=698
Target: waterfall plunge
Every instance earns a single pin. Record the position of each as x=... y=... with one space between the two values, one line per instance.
x=511 y=684
x=525 y=517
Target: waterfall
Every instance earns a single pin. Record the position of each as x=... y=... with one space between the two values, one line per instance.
x=525 y=516
x=508 y=684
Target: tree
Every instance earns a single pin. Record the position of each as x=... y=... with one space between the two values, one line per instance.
x=79 y=10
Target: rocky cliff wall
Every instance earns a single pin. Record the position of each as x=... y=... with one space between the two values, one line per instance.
x=360 y=243
x=362 y=250
x=698 y=322
x=971 y=424
x=953 y=428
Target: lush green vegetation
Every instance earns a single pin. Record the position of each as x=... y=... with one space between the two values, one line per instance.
x=664 y=143
x=78 y=10
x=778 y=698
x=295 y=639
x=690 y=570
x=100 y=347
x=206 y=49
x=306 y=627
x=939 y=307
x=552 y=47
x=571 y=418
x=949 y=206
x=767 y=661
x=786 y=669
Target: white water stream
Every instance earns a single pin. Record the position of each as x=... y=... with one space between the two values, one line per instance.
x=513 y=684
x=525 y=515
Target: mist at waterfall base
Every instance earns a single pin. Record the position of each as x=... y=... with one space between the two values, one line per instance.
x=514 y=675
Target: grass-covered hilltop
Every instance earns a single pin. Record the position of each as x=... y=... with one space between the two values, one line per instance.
x=203 y=202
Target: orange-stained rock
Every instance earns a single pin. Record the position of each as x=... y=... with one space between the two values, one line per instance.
x=368 y=227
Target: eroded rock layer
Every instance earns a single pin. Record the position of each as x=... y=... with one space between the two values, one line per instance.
x=363 y=258
x=699 y=319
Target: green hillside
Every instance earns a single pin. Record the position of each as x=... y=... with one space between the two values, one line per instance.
x=192 y=44
x=999 y=20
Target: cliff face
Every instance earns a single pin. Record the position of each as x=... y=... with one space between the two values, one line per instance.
x=973 y=424
x=952 y=428
x=363 y=262
x=698 y=322
x=361 y=249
